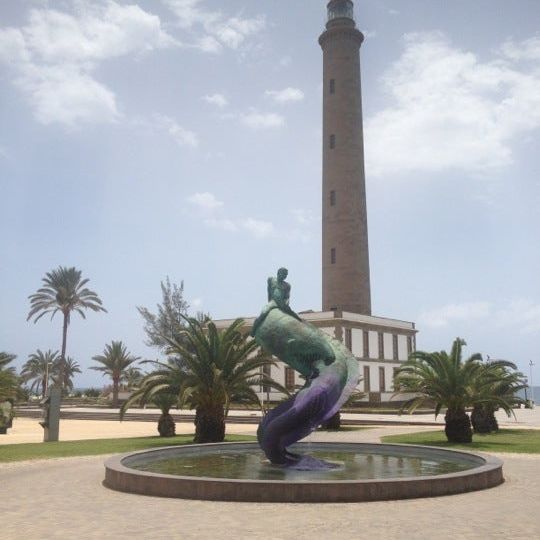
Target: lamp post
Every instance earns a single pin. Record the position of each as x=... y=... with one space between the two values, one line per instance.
x=531 y=388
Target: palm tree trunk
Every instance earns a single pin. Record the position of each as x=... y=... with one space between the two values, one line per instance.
x=458 y=426
x=209 y=425
x=483 y=419
x=63 y=353
x=116 y=383
x=166 y=425
x=43 y=386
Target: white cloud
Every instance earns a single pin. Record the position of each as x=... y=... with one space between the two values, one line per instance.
x=452 y=313
x=219 y=100
x=213 y=216
x=525 y=314
x=257 y=120
x=258 y=228
x=287 y=95
x=182 y=136
x=393 y=12
x=528 y=49
x=54 y=56
x=66 y=95
x=452 y=111
x=216 y=30
x=205 y=201
x=521 y=315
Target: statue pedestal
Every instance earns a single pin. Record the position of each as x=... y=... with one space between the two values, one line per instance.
x=51 y=414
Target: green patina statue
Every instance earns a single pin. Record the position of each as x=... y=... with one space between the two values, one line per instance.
x=330 y=370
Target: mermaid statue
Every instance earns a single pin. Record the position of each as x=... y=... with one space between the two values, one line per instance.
x=328 y=367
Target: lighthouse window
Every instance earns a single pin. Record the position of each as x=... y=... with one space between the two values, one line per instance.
x=332 y=141
x=332 y=86
x=333 y=256
x=332 y=198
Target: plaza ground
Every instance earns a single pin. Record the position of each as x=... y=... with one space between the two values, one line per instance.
x=64 y=498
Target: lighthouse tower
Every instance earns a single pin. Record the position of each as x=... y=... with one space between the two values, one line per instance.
x=345 y=255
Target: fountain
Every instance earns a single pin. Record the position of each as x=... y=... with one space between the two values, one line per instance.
x=287 y=470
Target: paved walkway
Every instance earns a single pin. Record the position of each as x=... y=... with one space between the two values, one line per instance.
x=64 y=498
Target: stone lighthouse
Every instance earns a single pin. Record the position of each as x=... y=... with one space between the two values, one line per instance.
x=380 y=344
x=345 y=255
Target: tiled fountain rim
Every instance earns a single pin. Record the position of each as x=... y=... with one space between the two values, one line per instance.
x=119 y=476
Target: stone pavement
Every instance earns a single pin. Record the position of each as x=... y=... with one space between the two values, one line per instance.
x=64 y=498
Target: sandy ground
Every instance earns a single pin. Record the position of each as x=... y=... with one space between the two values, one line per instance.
x=64 y=498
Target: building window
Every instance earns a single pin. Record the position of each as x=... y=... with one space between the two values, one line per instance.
x=332 y=141
x=332 y=198
x=348 y=338
x=381 y=346
x=409 y=345
x=395 y=347
x=289 y=378
x=267 y=370
x=382 y=380
x=333 y=256
x=367 y=381
x=332 y=86
x=365 y=337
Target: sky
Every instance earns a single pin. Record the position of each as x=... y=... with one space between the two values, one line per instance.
x=182 y=138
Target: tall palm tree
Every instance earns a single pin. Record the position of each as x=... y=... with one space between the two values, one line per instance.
x=71 y=367
x=220 y=369
x=445 y=379
x=63 y=291
x=114 y=362
x=37 y=369
x=496 y=386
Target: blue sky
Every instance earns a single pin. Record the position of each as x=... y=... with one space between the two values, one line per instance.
x=183 y=138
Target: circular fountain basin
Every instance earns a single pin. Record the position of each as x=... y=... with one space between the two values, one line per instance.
x=363 y=472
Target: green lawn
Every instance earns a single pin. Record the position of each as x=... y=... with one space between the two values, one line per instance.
x=523 y=441
x=95 y=447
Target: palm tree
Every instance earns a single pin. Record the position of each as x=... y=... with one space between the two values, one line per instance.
x=5 y=359
x=496 y=386
x=219 y=369
x=445 y=379
x=63 y=291
x=9 y=391
x=132 y=378
x=71 y=367
x=115 y=360
x=162 y=388
x=38 y=368
x=165 y=401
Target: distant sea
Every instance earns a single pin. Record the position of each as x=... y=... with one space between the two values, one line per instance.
x=536 y=390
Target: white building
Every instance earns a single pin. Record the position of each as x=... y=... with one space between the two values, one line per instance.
x=379 y=344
